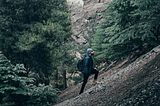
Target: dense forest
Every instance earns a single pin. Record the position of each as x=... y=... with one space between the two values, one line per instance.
x=131 y=27
x=37 y=50
x=36 y=33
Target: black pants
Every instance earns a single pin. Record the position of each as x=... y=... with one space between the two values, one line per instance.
x=85 y=78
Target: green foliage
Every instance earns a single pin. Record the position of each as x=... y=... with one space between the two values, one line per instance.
x=129 y=25
x=77 y=79
x=16 y=89
x=32 y=32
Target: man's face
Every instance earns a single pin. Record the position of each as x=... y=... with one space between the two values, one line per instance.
x=92 y=53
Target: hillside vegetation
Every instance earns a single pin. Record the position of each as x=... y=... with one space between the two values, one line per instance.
x=41 y=41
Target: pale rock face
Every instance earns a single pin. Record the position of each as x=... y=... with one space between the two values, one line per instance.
x=77 y=14
x=81 y=14
x=75 y=2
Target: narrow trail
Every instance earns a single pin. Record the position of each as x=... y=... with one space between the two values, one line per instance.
x=136 y=84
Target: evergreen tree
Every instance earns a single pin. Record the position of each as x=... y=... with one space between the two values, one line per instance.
x=129 y=26
x=16 y=89
x=32 y=32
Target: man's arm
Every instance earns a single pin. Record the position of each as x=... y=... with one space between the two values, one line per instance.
x=86 y=64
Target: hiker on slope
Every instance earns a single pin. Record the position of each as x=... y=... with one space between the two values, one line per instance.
x=88 y=68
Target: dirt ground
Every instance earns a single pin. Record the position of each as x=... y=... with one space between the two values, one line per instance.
x=135 y=84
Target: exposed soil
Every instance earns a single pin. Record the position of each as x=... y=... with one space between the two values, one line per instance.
x=135 y=84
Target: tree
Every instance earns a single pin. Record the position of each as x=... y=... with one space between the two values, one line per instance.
x=129 y=26
x=31 y=33
x=16 y=89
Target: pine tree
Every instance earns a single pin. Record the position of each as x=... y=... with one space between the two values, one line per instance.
x=32 y=32
x=129 y=26
x=16 y=89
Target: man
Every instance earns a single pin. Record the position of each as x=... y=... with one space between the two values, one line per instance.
x=88 y=68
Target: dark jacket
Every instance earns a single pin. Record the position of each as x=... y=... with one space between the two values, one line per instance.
x=88 y=64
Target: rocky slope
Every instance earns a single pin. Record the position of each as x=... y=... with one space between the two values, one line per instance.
x=82 y=12
x=135 y=84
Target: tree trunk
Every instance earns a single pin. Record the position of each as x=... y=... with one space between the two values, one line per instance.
x=56 y=79
x=156 y=32
x=64 y=80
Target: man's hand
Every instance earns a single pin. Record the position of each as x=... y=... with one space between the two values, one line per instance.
x=95 y=68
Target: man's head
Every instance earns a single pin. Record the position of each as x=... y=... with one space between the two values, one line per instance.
x=90 y=51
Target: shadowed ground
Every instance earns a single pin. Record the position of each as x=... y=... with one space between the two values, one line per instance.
x=136 y=84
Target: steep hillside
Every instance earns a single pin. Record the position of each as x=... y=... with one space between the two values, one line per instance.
x=136 y=84
x=82 y=12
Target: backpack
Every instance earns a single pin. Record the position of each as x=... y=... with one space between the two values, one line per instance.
x=80 y=64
